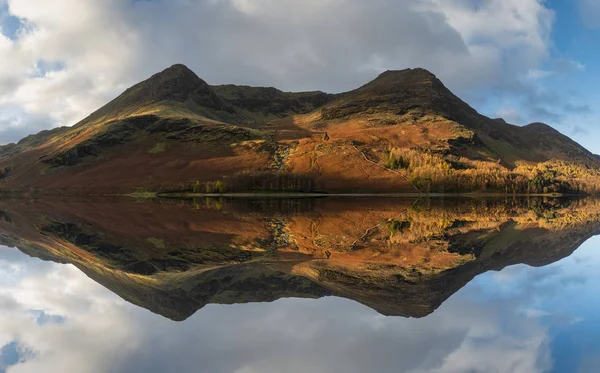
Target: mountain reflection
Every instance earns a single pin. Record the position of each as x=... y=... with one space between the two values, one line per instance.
x=398 y=256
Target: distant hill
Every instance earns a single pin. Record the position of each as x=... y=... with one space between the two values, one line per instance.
x=402 y=132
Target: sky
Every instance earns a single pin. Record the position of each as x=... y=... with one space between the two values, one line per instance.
x=520 y=320
x=522 y=60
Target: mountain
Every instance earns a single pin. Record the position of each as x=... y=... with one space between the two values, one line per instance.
x=402 y=132
x=398 y=256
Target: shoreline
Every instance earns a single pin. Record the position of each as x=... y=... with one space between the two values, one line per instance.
x=185 y=195
x=282 y=195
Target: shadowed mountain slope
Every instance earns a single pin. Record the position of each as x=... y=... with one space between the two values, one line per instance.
x=404 y=131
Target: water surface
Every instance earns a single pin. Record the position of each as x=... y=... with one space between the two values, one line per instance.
x=319 y=285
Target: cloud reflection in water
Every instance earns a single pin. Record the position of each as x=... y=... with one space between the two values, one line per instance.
x=54 y=319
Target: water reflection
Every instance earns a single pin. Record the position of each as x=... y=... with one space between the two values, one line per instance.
x=396 y=257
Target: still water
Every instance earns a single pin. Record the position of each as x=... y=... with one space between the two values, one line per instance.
x=328 y=285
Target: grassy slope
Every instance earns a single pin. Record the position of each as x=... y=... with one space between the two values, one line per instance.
x=173 y=131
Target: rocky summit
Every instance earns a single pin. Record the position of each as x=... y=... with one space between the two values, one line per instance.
x=402 y=132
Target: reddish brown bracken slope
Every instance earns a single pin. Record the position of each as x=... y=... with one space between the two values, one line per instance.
x=403 y=132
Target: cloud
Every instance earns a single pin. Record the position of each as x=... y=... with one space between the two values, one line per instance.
x=579 y=109
x=60 y=68
x=15 y=124
x=85 y=328
x=53 y=318
x=532 y=100
x=510 y=115
x=590 y=12
x=579 y=130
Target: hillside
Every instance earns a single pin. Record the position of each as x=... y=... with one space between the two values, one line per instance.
x=402 y=132
x=398 y=256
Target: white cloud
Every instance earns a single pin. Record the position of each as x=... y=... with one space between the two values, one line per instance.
x=536 y=74
x=88 y=329
x=502 y=322
x=331 y=45
x=61 y=319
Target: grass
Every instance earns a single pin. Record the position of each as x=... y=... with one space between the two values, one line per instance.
x=433 y=151
x=158 y=148
x=436 y=173
x=156 y=242
x=142 y=193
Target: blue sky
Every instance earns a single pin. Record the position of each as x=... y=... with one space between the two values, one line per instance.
x=567 y=88
x=561 y=297
x=576 y=39
x=524 y=60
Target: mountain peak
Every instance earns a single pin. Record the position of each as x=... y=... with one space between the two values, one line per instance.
x=400 y=91
x=404 y=77
x=542 y=128
x=178 y=67
x=174 y=72
x=174 y=83
x=416 y=72
x=175 y=132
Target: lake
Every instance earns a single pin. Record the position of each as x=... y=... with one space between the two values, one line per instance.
x=300 y=285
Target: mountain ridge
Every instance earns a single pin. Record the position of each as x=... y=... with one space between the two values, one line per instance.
x=404 y=129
